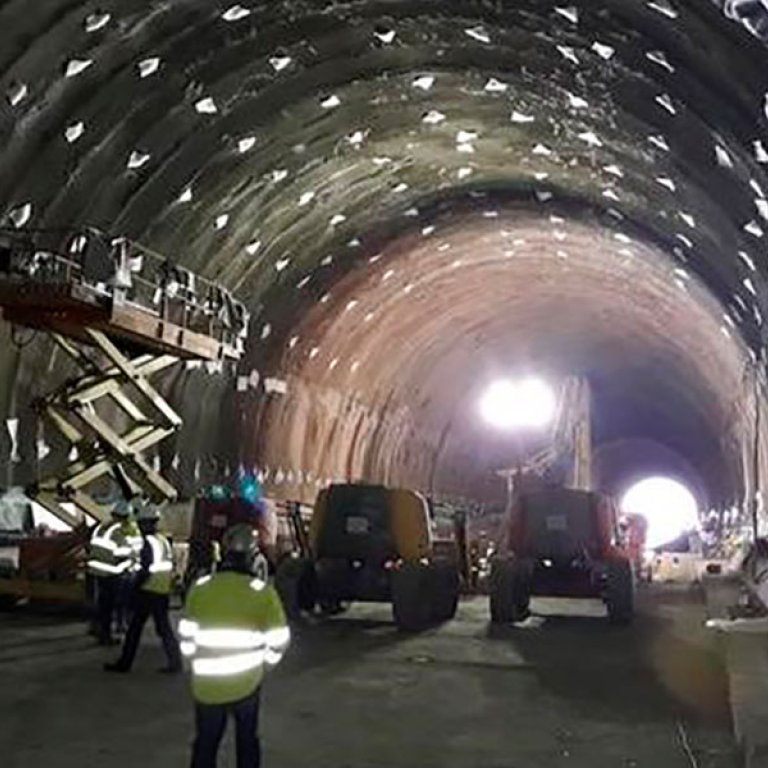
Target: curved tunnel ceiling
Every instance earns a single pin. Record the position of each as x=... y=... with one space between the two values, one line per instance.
x=416 y=196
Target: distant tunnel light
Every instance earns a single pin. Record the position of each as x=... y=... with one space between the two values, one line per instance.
x=668 y=506
x=528 y=403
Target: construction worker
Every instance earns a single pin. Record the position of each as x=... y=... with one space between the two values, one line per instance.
x=110 y=558
x=233 y=629
x=152 y=589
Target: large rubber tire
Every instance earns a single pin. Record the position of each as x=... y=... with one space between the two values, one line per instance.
x=333 y=584
x=412 y=597
x=295 y=583
x=446 y=588
x=510 y=592
x=620 y=592
x=332 y=607
x=8 y=602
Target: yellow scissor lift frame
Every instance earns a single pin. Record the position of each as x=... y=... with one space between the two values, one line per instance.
x=117 y=336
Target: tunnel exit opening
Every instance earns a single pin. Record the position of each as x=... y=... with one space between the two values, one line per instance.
x=668 y=505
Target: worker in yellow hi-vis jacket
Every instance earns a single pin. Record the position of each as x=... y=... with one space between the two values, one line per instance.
x=110 y=557
x=152 y=589
x=233 y=629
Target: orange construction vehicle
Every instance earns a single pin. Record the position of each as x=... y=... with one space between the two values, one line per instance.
x=561 y=538
x=219 y=508
x=562 y=542
x=35 y=563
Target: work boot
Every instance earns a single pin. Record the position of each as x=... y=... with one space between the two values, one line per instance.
x=170 y=670
x=116 y=666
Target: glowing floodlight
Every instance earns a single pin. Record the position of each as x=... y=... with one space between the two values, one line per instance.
x=524 y=404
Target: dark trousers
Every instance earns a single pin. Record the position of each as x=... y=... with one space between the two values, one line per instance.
x=91 y=597
x=123 y=602
x=107 y=588
x=146 y=604
x=210 y=723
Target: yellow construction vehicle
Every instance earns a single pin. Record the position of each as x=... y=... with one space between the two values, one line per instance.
x=374 y=544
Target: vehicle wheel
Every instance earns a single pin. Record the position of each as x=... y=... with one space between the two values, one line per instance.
x=447 y=585
x=620 y=592
x=411 y=597
x=8 y=602
x=295 y=583
x=334 y=580
x=332 y=607
x=510 y=591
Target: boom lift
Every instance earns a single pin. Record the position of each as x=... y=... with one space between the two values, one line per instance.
x=560 y=538
x=567 y=459
x=369 y=543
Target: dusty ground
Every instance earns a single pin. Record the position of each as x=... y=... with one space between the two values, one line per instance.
x=356 y=694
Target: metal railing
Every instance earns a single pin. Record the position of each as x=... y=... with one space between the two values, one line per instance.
x=122 y=272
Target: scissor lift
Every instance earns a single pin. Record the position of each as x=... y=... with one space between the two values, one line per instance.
x=122 y=314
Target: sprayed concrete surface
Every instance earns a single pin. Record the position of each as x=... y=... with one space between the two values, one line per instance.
x=356 y=694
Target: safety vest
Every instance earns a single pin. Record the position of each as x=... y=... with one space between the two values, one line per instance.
x=111 y=551
x=233 y=627
x=160 y=578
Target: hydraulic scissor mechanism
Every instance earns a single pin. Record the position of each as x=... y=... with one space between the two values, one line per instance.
x=122 y=314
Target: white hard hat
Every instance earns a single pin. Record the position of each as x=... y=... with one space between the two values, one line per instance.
x=122 y=508
x=149 y=512
x=240 y=539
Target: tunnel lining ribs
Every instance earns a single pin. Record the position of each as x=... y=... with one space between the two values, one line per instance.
x=370 y=177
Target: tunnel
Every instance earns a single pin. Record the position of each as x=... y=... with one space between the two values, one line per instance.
x=413 y=198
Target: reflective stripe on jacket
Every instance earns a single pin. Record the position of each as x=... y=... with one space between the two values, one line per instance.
x=233 y=626
x=159 y=564
x=111 y=551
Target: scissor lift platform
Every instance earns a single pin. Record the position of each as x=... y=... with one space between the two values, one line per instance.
x=57 y=290
x=122 y=314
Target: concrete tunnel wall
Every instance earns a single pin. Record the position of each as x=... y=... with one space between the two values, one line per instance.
x=412 y=197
